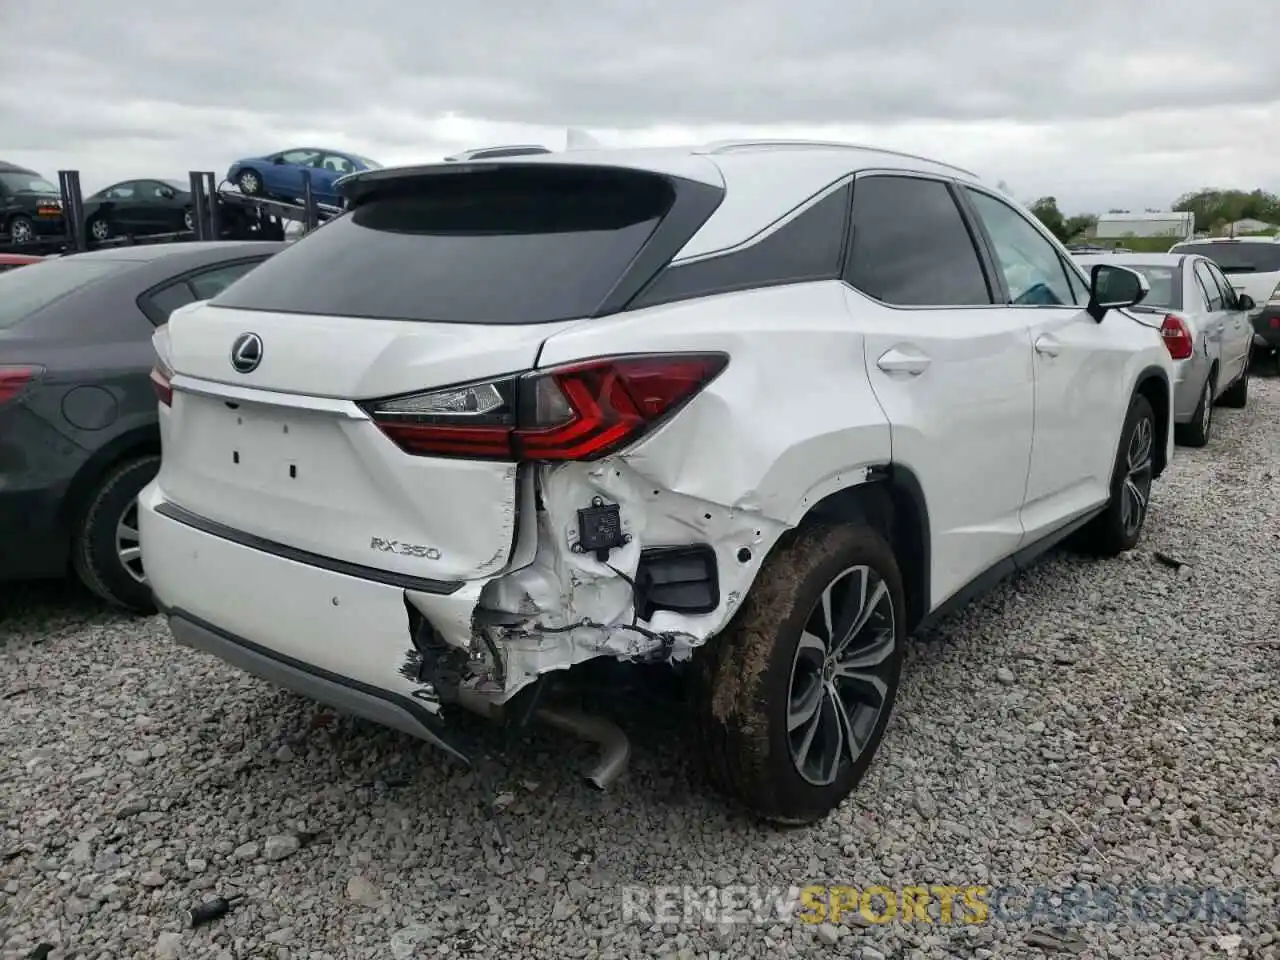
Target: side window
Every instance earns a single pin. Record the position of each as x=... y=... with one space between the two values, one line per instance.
x=338 y=164
x=305 y=158
x=121 y=191
x=1210 y=286
x=911 y=247
x=808 y=247
x=168 y=299
x=1229 y=296
x=1032 y=269
x=154 y=190
x=1205 y=299
x=209 y=284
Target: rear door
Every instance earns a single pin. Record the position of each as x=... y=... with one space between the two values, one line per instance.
x=1237 y=331
x=950 y=367
x=125 y=208
x=418 y=300
x=1217 y=323
x=285 y=175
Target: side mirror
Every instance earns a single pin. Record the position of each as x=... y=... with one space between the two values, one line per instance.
x=1112 y=286
x=1246 y=302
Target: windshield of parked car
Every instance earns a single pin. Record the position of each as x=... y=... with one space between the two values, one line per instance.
x=1237 y=256
x=27 y=183
x=34 y=287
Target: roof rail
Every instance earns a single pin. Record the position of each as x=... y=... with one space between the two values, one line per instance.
x=728 y=146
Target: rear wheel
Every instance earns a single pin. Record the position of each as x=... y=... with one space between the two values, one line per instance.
x=99 y=229
x=1237 y=395
x=249 y=182
x=1119 y=527
x=107 y=553
x=792 y=701
x=1196 y=433
x=188 y=219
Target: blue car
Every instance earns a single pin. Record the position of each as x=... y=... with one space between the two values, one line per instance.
x=279 y=175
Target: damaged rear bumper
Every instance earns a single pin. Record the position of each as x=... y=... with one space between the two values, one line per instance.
x=342 y=693
x=346 y=640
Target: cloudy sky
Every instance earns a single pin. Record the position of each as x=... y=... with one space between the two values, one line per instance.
x=1102 y=103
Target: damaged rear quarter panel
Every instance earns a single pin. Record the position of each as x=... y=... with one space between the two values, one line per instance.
x=790 y=420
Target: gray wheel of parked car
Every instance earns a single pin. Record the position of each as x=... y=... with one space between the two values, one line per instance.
x=107 y=553
x=99 y=229
x=249 y=182
x=791 y=703
x=21 y=229
x=188 y=219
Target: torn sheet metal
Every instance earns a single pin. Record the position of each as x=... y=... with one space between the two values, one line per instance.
x=566 y=607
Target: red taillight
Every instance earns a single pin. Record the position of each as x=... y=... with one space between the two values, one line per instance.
x=1177 y=338
x=15 y=379
x=161 y=385
x=581 y=411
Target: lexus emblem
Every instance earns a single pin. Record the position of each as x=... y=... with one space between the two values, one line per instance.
x=246 y=352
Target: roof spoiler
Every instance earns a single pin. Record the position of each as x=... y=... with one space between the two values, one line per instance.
x=575 y=139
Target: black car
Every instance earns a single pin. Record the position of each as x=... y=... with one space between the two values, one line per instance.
x=30 y=207
x=79 y=434
x=138 y=208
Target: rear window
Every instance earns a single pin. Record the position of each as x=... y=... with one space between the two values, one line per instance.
x=507 y=246
x=1238 y=257
x=33 y=287
x=1166 y=286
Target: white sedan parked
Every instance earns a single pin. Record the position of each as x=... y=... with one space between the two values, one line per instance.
x=1206 y=328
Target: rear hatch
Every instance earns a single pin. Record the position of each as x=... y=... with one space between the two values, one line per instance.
x=1252 y=266
x=291 y=388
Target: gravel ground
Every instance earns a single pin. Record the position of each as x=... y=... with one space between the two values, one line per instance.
x=1089 y=724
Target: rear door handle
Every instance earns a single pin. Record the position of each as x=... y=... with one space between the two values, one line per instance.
x=1048 y=346
x=898 y=360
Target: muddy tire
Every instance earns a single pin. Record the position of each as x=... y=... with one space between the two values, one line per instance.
x=791 y=702
x=103 y=553
x=1119 y=527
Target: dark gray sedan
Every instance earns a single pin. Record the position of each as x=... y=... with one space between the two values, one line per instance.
x=78 y=419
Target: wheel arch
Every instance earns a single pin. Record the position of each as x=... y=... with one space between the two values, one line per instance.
x=138 y=441
x=1153 y=384
x=890 y=500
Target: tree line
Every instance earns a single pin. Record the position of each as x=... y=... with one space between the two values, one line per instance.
x=1214 y=209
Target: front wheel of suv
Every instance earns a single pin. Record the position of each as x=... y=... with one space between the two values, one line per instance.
x=792 y=701
x=1119 y=527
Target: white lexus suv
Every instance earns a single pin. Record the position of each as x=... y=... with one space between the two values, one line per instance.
x=759 y=407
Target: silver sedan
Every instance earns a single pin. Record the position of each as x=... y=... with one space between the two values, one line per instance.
x=1205 y=327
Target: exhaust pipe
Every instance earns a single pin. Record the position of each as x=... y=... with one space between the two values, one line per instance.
x=615 y=748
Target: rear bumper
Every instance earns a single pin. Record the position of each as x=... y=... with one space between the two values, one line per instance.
x=356 y=644
x=341 y=693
